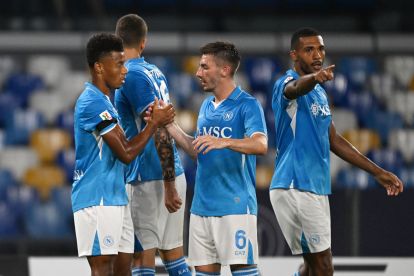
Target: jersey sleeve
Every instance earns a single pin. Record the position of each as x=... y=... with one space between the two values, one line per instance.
x=139 y=91
x=96 y=112
x=279 y=100
x=254 y=120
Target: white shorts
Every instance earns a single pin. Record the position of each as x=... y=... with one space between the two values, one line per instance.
x=154 y=226
x=225 y=240
x=304 y=218
x=104 y=230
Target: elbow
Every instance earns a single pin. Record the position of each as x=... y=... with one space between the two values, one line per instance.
x=193 y=156
x=126 y=160
x=262 y=150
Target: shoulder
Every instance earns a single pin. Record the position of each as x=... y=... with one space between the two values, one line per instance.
x=284 y=79
x=248 y=99
x=207 y=100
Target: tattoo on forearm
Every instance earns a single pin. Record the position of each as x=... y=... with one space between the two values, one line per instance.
x=164 y=145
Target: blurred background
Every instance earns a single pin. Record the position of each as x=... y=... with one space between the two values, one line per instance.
x=43 y=69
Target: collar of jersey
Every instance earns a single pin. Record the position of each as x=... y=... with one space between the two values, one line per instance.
x=293 y=73
x=135 y=60
x=92 y=87
x=235 y=94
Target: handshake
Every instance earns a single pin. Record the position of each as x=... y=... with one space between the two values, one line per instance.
x=159 y=113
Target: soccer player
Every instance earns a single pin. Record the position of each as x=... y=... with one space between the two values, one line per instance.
x=305 y=133
x=157 y=177
x=231 y=131
x=103 y=223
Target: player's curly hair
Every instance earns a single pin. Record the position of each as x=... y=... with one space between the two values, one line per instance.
x=132 y=29
x=225 y=51
x=302 y=32
x=100 y=45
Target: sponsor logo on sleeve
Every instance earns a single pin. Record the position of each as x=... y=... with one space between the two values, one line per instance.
x=288 y=79
x=105 y=116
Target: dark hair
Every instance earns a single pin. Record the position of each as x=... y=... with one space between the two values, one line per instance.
x=225 y=51
x=303 y=32
x=100 y=45
x=132 y=29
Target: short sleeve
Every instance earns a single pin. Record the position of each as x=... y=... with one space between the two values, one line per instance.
x=94 y=113
x=279 y=99
x=254 y=120
x=139 y=91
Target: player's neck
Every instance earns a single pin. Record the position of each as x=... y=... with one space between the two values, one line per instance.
x=298 y=70
x=101 y=86
x=223 y=91
x=131 y=53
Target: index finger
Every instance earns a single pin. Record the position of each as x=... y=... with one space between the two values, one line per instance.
x=330 y=67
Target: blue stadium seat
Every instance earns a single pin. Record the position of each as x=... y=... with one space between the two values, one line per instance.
x=406 y=174
x=387 y=158
x=337 y=90
x=9 y=226
x=261 y=72
x=22 y=85
x=357 y=70
x=20 y=126
x=44 y=220
x=8 y=103
x=182 y=87
x=65 y=120
x=382 y=122
x=167 y=65
x=354 y=178
x=362 y=103
x=66 y=160
x=6 y=182
x=21 y=198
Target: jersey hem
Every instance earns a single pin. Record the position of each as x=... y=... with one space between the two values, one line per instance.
x=77 y=208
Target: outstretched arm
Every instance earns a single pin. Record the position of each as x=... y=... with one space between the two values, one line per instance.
x=182 y=139
x=306 y=83
x=257 y=144
x=345 y=150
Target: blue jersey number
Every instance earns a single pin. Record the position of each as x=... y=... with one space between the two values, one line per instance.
x=240 y=239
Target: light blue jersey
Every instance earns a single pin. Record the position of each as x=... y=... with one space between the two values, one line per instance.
x=99 y=176
x=226 y=179
x=144 y=82
x=302 y=139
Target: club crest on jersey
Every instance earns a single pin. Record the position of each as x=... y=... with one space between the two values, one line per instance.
x=227 y=116
x=106 y=116
x=322 y=110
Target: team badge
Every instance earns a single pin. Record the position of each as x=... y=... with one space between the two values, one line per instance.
x=314 y=109
x=314 y=238
x=228 y=116
x=108 y=240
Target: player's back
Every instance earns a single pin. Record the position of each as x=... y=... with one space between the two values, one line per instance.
x=144 y=82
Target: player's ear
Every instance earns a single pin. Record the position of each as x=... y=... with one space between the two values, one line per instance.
x=293 y=55
x=143 y=44
x=98 y=67
x=226 y=70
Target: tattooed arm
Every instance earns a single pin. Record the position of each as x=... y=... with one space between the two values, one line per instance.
x=164 y=145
